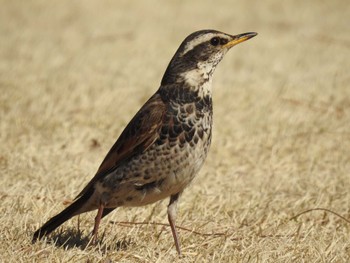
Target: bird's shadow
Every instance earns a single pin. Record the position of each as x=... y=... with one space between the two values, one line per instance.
x=72 y=238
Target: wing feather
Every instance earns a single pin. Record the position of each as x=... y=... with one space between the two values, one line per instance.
x=141 y=132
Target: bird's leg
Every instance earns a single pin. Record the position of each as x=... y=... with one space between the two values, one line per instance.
x=172 y=218
x=97 y=223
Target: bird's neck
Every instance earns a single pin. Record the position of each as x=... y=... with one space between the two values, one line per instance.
x=188 y=90
x=196 y=80
x=199 y=79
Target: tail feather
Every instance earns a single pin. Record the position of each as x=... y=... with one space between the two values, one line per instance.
x=62 y=217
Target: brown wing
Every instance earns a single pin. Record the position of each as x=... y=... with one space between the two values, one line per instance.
x=141 y=132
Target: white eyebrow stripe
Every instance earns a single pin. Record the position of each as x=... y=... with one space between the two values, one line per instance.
x=198 y=40
x=201 y=39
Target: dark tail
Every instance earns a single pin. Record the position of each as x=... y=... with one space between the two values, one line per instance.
x=62 y=217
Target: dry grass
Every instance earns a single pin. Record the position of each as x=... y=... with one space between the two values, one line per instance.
x=72 y=73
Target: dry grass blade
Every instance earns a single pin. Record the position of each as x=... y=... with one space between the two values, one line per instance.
x=320 y=209
x=128 y=224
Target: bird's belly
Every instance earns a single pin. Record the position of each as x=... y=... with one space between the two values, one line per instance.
x=156 y=174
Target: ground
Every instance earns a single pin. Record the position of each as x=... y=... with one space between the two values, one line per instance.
x=73 y=73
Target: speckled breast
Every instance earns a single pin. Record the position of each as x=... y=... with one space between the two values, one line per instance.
x=171 y=163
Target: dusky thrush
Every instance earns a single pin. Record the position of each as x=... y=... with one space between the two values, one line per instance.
x=165 y=144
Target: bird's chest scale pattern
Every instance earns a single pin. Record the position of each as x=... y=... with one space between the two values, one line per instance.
x=182 y=147
x=187 y=133
x=172 y=162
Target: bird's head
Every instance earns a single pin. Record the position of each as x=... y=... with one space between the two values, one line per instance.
x=198 y=55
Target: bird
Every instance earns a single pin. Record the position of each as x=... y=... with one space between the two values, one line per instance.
x=165 y=144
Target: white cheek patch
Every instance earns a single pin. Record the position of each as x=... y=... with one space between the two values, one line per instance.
x=192 y=77
x=204 y=71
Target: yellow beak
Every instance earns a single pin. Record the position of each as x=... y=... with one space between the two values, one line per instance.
x=240 y=38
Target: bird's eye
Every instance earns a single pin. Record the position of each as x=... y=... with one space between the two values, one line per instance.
x=215 y=41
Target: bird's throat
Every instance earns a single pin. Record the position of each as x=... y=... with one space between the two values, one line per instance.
x=199 y=79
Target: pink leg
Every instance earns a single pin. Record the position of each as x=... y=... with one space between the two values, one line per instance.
x=97 y=223
x=172 y=219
